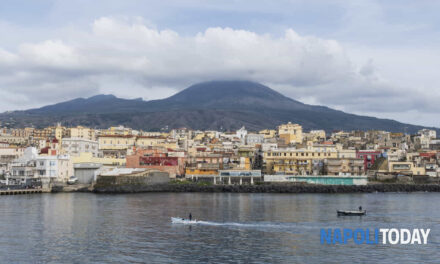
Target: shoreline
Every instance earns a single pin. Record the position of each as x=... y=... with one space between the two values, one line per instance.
x=267 y=188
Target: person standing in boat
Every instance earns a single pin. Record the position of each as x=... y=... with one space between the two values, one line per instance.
x=190 y=217
x=360 y=208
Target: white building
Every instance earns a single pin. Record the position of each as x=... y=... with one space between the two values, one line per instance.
x=241 y=134
x=252 y=139
x=58 y=168
x=7 y=155
x=428 y=133
x=269 y=146
x=76 y=146
x=32 y=166
x=22 y=169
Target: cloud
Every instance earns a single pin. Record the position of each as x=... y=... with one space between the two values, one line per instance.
x=130 y=58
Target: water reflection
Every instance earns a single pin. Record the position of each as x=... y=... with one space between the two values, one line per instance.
x=281 y=228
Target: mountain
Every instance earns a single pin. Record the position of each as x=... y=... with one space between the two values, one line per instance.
x=220 y=105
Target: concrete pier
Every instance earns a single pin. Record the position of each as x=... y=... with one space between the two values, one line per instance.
x=23 y=191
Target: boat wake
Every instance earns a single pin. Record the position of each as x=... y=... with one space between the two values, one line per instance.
x=176 y=220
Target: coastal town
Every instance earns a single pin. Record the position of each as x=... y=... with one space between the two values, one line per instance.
x=33 y=158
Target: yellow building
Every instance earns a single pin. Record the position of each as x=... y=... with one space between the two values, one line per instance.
x=200 y=172
x=268 y=133
x=59 y=131
x=146 y=141
x=81 y=132
x=199 y=137
x=314 y=135
x=406 y=167
x=22 y=132
x=87 y=157
x=295 y=161
x=43 y=133
x=16 y=140
x=290 y=133
x=116 y=142
x=119 y=130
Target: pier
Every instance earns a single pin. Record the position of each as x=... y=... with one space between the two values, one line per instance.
x=22 y=191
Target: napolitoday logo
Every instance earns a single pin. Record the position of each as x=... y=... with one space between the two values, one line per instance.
x=359 y=236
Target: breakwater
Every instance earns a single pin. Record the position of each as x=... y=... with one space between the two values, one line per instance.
x=268 y=188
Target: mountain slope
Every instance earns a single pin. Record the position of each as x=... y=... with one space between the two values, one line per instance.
x=224 y=105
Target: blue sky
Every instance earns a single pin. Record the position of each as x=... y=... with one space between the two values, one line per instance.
x=379 y=58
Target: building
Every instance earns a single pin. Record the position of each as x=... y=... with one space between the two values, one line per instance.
x=81 y=132
x=158 y=159
x=428 y=133
x=241 y=134
x=268 y=133
x=116 y=145
x=86 y=172
x=149 y=141
x=321 y=179
x=345 y=166
x=290 y=133
x=76 y=146
x=87 y=157
x=51 y=148
x=22 y=170
x=32 y=166
x=314 y=135
x=119 y=130
x=253 y=139
x=229 y=177
x=405 y=168
x=369 y=157
x=296 y=161
x=56 y=168
x=14 y=140
x=8 y=154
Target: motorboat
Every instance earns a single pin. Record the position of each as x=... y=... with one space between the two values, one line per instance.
x=351 y=213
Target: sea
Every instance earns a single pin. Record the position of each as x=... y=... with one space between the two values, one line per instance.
x=233 y=228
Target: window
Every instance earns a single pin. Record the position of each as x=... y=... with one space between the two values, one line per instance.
x=41 y=163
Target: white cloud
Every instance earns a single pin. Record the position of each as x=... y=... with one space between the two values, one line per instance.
x=130 y=59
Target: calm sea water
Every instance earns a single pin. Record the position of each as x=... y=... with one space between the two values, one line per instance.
x=241 y=228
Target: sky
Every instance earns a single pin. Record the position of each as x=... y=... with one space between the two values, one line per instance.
x=377 y=58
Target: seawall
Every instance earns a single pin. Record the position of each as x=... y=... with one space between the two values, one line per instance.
x=268 y=188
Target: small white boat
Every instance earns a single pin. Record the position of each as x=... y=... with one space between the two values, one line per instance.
x=178 y=220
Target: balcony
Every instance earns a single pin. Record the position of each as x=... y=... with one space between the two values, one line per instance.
x=334 y=162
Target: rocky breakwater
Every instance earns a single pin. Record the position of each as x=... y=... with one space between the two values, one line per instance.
x=266 y=188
